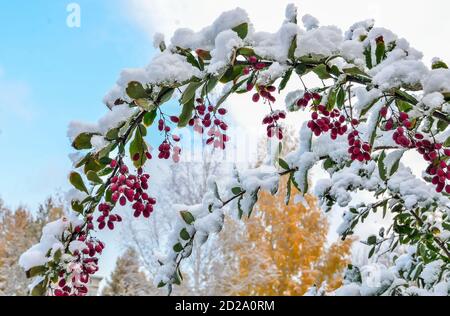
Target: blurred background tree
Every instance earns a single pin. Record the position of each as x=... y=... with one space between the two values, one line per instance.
x=128 y=279
x=19 y=230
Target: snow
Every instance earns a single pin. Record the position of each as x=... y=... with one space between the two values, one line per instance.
x=158 y=39
x=98 y=142
x=310 y=22
x=325 y=40
x=358 y=28
x=275 y=45
x=268 y=76
x=110 y=120
x=226 y=43
x=291 y=100
x=37 y=255
x=432 y=102
x=206 y=38
x=353 y=51
x=403 y=72
x=291 y=13
x=438 y=80
x=75 y=195
x=431 y=271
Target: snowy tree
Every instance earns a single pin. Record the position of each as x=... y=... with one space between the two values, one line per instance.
x=127 y=279
x=372 y=102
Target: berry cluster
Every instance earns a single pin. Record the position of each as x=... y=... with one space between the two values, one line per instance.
x=324 y=121
x=206 y=117
x=431 y=151
x=125 y=188
x=167 y=149
x=73 y=282
x=107 y=218
x=438 y=157
x=358 y=150
x=307 y=98
x=264 y=92
x=255 y=65
x=272 y=122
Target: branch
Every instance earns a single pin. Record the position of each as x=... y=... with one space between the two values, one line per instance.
x=441 y=116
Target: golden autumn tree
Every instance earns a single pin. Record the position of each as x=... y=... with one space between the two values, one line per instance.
x=293 y=238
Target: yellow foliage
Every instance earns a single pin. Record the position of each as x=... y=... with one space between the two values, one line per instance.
x=293 y=237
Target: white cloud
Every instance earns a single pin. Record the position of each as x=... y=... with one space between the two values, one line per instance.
x=424 y=24
x=15 y=99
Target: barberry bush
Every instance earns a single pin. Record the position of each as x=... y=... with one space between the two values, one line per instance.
x=375 y=101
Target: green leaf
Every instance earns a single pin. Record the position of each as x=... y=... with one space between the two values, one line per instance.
x=372 y=240
x=135 y=90
x=178 y=247
x=292 y=48
x=331 y=99
x=189 y=92
x=283 y=164
x=186 y=113
x=372 y=252
x=340 y=98
x=302 y=69
x=138 y=147
x=289 y=190
x=165 y=95
x=442 y=125
x=246 y=51
x=192 y=60
x=236 y=190
x=396 y=164
x=403 y=106
x=93 y=177
x=83 y=141
x=447 y=142
x=285 y=80
x=184 y=234
x=439 y=64
x=368 y=55
x=328 y=164
x=381 y=166
x=232 y=73
x=380 y=52
x=240 y=210
x=77 y=207
x=232 y=90
x=355 y=71
x=77 y=182
x=112 y=134
x=253 y=200
x=406 y=97
x=209 y=86
x=149 y=118
x=321 y=71
x=187 y=217
x=35 y=271
x=216 y=192
x=241 y=30
x=40 y=289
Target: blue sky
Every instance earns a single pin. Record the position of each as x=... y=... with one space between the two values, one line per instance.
x=51 y=74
